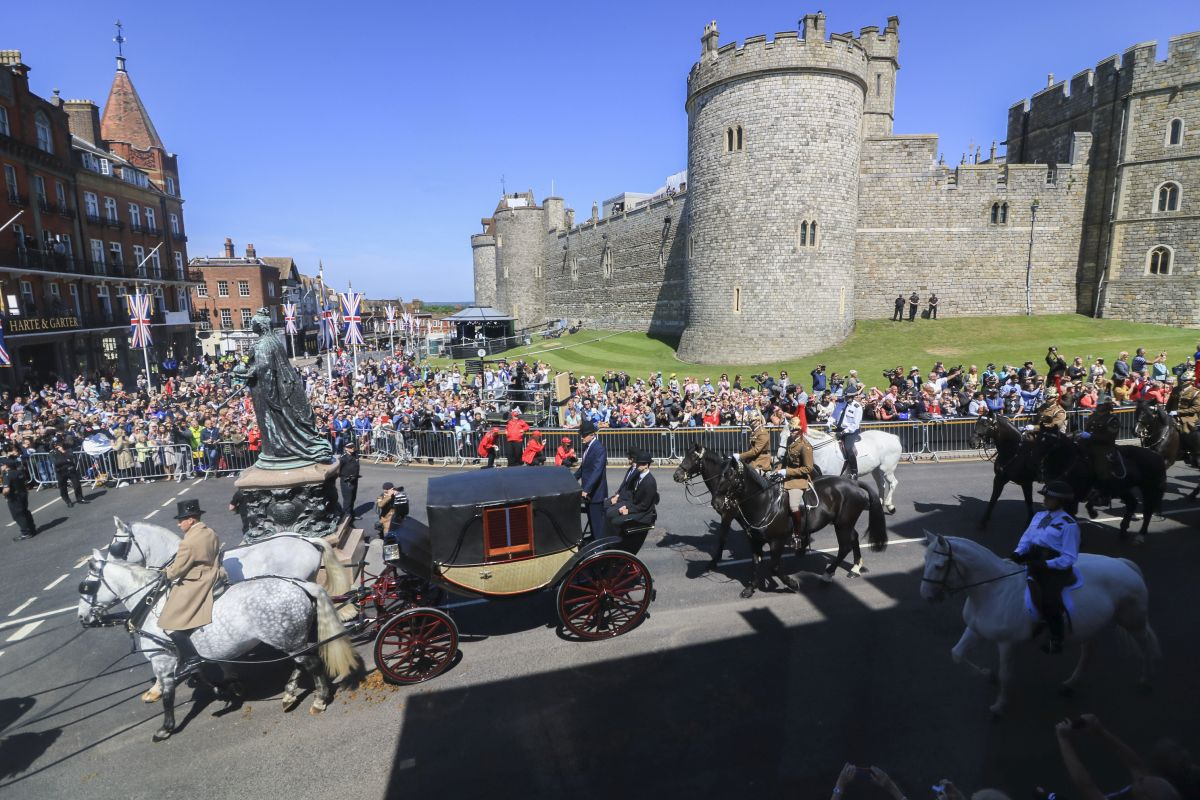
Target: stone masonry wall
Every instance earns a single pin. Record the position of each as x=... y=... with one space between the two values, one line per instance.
x=483 y=262
x=643 y=290
x=520 y=236
x=928 y=228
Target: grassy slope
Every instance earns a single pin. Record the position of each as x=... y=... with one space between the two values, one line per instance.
x=876 y=345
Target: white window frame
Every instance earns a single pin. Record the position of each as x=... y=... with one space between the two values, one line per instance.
x=243 y=288
x=1182 y=131
x=91 y=204
x=74 y=288
x=110 y=209
x=55 y=290
x=97 y=252
x=151 y=221
x=4 y=128
x=181 y=299
x=114 y=249
x=45 y=133
x=222 y=288
x=105 y=166
x=156 y=262
x=60 y=194
x=39 y=185
x=1178 y=197
x=201 y=290
x=1170 y=251
x=27 y=292
x=160 y=299
x=225 y=315
x=135 y=216
x=171 y=190
x=139 y=253
x=247 y=314
x=10 y=181
x=180 y=272
x=174 y=224
x=270 y=289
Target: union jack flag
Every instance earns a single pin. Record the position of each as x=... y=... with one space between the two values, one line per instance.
x=352 y=316
x=390 y=311
x=139 y=319
x=329 y=332
x=289 y=318
x=5 y=359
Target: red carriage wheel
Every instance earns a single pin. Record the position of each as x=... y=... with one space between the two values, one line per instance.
x=605 y=595
x=416 y=645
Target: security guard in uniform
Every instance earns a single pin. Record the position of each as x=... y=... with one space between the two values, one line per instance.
x=194 y=572
x=1049 y=548
x=758 y=454
x=796 y=471
x=847 y=429
x=16 y=492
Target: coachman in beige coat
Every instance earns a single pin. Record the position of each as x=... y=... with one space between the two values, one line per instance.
x=195 y=571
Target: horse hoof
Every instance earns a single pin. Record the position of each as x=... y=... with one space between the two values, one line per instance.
x=747 y=592
x=317 y=707
x=1093 y=513
x=151 y=696
x=891 y=509
x=162 y=734
x=289 y=702
x=1066 y=690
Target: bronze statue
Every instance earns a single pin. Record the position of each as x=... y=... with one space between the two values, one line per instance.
x=289 y=433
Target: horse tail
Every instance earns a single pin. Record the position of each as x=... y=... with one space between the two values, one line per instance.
x=876 y=520
x=339 y=656
x=338 y=579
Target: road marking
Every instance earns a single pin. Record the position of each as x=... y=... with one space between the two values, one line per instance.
x=57 y=580
x=24 y=631
x=827 y=550
x=1 y=652
x=82 y=561
x=169 y=501
x=63 y=610
x=22 y=607
x=151 y=514
x=184 y=489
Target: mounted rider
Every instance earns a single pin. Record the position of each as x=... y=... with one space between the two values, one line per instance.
x=758 y=454
x=796 y=469
x=1099 y=435
x=1051 y=416
x=1186 y=415
x=848 y=429
x=1048 y=549
x=193 y=574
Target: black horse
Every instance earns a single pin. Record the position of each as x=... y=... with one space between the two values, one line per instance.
x=1136 y=468
x=1158 y=432
x=706 y=465
x=1016 y=459
x=762 y=504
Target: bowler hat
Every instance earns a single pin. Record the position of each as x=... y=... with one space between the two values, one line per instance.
x=642 y=457
x=188 y=509
x=1060 y=489
x=587 y=428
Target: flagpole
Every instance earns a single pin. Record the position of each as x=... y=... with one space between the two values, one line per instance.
x=354 y=345
x=145 y=348
x=323 y=329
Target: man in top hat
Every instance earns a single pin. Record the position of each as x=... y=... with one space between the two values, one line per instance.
x=592 y=475
x=514 y=434
x=847 y=429
x=193 y=573
x=348 y=475
x=635 y=502
x=1049 y=548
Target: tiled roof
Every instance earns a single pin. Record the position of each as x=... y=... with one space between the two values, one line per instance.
x=125 y=118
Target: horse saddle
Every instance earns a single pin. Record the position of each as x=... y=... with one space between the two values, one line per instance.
x=1033 y=605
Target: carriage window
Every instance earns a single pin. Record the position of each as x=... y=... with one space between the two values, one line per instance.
x=507 y=533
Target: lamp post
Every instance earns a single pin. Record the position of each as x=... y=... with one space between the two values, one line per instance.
x=1033 y=209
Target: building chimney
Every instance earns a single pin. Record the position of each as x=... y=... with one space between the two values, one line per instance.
x=83 y=117
x=229 y=248
x=10 y=58
x=250 y=253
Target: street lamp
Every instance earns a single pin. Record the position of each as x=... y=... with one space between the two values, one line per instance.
x=1033 y=209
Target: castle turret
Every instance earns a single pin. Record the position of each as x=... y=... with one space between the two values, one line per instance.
x=520 y=235
x=774 y=132
x=483 y=258
x=883 y=53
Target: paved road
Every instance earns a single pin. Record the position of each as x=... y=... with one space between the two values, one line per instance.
x=712 y=694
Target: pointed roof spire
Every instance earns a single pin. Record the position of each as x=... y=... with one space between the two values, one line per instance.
x=125 y=118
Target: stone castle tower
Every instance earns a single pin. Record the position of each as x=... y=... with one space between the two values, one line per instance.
x=774 y=136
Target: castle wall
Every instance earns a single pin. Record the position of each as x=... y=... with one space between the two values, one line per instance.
x=483 y=262
x=644 y=288
x=928 y=228
x=520 y=235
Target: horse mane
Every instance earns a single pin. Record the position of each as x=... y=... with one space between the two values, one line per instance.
x=971 y=546
x=139 y=573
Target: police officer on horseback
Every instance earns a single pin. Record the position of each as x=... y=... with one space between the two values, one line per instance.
x=848 y=427
x=193 y=574
x=1048 y=549
x=758 y=454
x=796 y=470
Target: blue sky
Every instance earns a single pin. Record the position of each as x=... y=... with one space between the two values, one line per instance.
x=374 y=135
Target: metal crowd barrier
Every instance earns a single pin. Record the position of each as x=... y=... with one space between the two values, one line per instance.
x=155 y=462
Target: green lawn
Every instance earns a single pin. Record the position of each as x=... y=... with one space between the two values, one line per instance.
x=876 y=345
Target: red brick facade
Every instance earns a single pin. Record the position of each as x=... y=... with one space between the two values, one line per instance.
x=229 y=290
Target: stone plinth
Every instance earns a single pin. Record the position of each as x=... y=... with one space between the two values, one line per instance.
x=302 y=500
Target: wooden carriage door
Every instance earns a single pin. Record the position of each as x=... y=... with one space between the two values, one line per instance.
x=508 y=533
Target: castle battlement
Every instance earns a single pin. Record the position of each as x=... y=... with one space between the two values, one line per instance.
x=807 y=50
x=631 y=214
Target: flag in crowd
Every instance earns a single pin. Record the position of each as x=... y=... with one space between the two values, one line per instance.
x=329 y=334
x=289 y=318
x=352 y=316
x=390 y=311
x=5 y=359
x=139 y=319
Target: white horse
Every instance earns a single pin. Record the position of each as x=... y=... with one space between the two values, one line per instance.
x=282 y=555
x=274 y=611
x=1112 y=590
x=878 y=453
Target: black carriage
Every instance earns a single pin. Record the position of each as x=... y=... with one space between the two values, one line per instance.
x=499 y=534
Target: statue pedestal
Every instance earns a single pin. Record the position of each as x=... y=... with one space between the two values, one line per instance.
x=302 y=500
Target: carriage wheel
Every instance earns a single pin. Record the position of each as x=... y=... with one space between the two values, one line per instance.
x=604 y=596
x=416 y=645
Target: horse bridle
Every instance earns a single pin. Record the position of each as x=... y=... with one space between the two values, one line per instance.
x=119 y=546
x=768 y=517
x=697 y=477
x=88 y=588
x=944 y=582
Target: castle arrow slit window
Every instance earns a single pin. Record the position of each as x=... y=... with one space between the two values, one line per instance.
x=1175 y=132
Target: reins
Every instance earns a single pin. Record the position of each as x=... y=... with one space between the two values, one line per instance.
x=950 y=565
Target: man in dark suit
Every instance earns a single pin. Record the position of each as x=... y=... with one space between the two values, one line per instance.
x=592 y=475
x=635 y=502
x=16 y=492
x=933 y=301
x=914 y=300
x=898 y=314
x=348 y=475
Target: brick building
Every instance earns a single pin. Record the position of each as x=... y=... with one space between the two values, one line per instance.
x=92 y=199
x=228 y=291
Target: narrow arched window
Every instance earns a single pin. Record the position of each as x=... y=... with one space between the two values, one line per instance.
x=45 y=137
x=1159 y=261
x=804 y=233
x=739 y=137
x=606 y=262
x=995 y=213
x=1175 y=132
x=1004 y=213
x=1168 y=197
x=812 y=234
x=729 y=140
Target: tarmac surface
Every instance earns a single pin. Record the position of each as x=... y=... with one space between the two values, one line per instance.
x=712 y=694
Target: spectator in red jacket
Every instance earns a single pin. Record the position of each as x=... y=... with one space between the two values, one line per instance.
x=565 y=456
x=534 y=455
x=514 y=432
x=489 y=446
